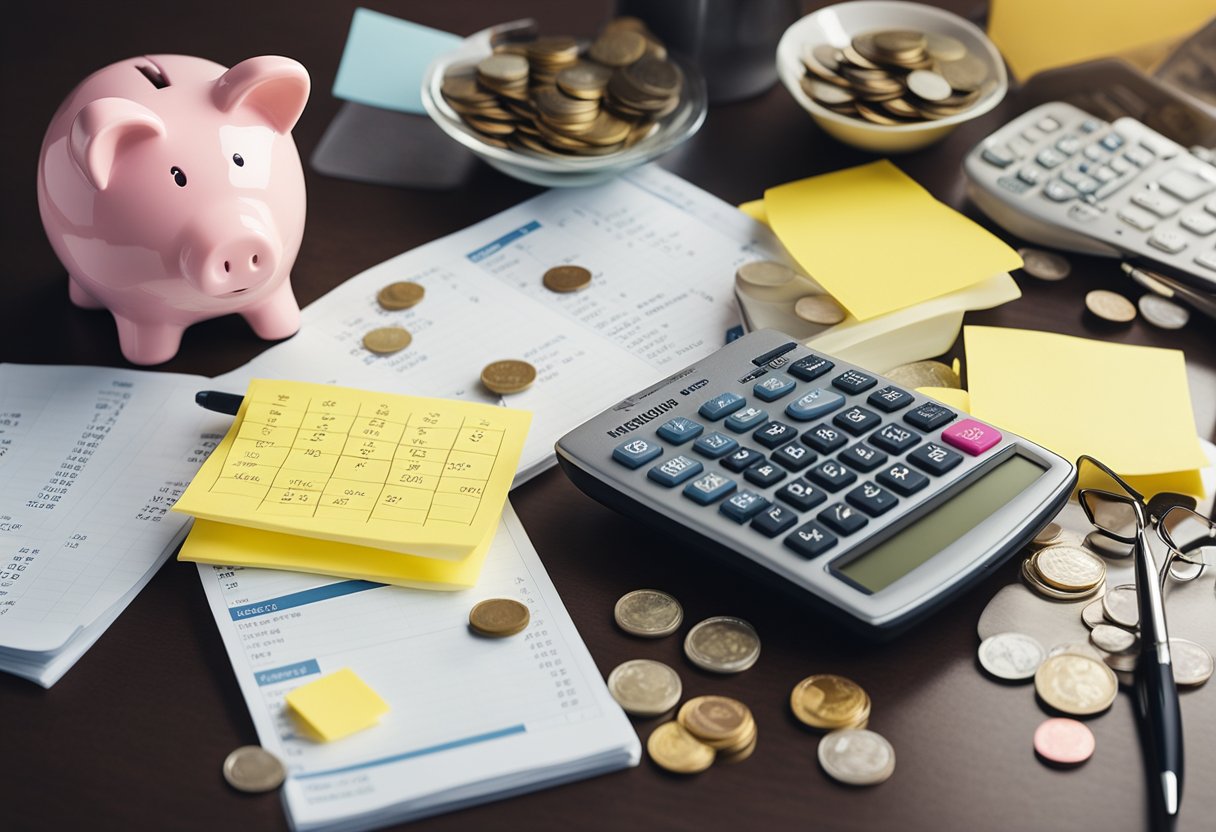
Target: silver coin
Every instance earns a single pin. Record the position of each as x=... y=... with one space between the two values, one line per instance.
x=1162 y=313
x=819 y=309
x=722 y=644
x=1122 y=662
x=1193 y=664
x=857 y=756
x=765 y=273
x=1112 y=639
x=1070 y=568
x=1108 y=546
x=644 y=687
x=1093 y=614
x=648 y=613
x=1044 y=265
x=253 y=769
x=1011 y=656
x=928 y=85
x=1122 y=606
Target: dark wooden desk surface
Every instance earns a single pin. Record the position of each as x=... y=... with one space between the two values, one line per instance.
x=134 y=735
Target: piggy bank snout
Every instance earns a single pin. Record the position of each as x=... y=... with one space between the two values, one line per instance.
x=225 y=260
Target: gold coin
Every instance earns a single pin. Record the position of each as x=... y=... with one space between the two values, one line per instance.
x=618 y=48
x=1069 y=568
x=828 y=701
x=499 y=617
x=387 y=340
x=504 y=68
x=584 y=80
x=924 y=374
x=819 y=309
x=715 y=719
x=728 y=757
x=253 y=769
x=672 y=747
x=1110 y=306
x=509 y=376
x=400 y=295
x=1075 y=684
x=566 y=279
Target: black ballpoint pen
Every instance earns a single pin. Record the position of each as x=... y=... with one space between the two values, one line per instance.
x=228 y=403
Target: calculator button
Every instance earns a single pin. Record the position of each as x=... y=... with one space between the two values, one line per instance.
x=714 y=445
x=812 y=405
x=857 y=420
x=831 y=475
x=871 y=499
x=743 y=505
x=928 y=416
x=1207 y=260
x=679 y=430
x=774 y=356
x=1210 y=205
x=709 y=488
x=774 y=434
x=1068 y=145
x=800 y=494
x=1120 y=165
x=764 y=474
x=774 y=520
x=1185 y=186
x=746 y=419
x=1090 y=125
x=1171 y=242
x=1013 y=185
x=1086 y=185
x=862 y=457
x=636 y=452
x=1085 y=213
x=934 y=459
x=1105 y=174
x=675 y=471
x=842 y=519
x=810 y=540
x=894 y=438
x=1139 y=156
x=1198 y=223
x=1029 y=175
x=721 y=405
x=854 y=381
x=824 y=439
x=1032 y=134
x=998 y=155
x=890 y=399
x=1049 y=157
x=1071 y=176
x=1136 y=218
x=1112 y=141
x=971 y=436
x=810 y=368
x=1157 y=202
x=902 y=480
x=1059 y=192
x=1094 y=152
x=793 y=456
x=742 y=458
x=1048 y=124
x=774 y=387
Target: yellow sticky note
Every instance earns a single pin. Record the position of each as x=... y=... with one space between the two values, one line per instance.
x=950 y=396
x=336 y=706
x=876 y=241
x=1034 y=35
x=1126 y=405
x=755 y=210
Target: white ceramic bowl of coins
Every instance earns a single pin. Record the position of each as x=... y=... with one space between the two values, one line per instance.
x=530 y=156
x=890 y=77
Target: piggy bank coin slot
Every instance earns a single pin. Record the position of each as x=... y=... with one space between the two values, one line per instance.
x=155 y=77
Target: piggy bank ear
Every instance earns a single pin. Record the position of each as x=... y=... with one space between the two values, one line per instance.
x=102 y=128
x=274 y=86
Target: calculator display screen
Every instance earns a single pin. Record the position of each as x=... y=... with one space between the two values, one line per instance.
x=909 y=548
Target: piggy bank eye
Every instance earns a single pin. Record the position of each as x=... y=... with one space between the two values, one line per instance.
x=179 y=176
x=238 y=160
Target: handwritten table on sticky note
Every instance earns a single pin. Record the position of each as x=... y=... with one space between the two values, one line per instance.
x=407 y=474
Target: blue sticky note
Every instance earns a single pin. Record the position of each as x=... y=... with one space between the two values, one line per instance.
x=385 y=58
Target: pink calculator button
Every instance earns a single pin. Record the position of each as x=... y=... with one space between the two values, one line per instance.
x=971 y=436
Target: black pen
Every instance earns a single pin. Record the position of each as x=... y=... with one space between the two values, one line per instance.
x=228 y=403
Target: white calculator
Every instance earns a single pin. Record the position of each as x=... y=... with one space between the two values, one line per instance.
x=874 y=503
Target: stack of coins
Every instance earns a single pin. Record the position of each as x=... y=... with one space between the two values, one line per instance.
x=724 y=724
x=896 y=76
x=1113 y=622
x=1064 y=572
x=544 y=96
x=828 y=702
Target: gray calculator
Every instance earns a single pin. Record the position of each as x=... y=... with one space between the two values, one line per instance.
x=874 y=503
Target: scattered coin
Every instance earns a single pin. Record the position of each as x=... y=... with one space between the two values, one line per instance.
x=722 y=644
x=644 y=687
x=1093 y=614
x=1192 y=662
x=765 y=273
x=1064 y=741
x=567 y=279
x=387 y=340
x=253 y=769
x=672 y=747
x=725 y=724
x=857 y=756
x=924 y=374
x=1110 y=306
x=1122 y=606
x=1105 y=545
x=1044 y=265
x=819 y=309
x=509 y=376
x=1162 y=313
x=499 y=617
x=1069 y=568
x=1112 y=639
x=400 y=295
x=648 y=613
x=1048 y=535
x=1011 y=656
x=829 y=702
x=1075 y=684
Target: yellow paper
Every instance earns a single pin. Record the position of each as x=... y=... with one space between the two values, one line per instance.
x=755 y=210
x=336 y=705
x=1128 y=406
x=1034 y=35
x=424 y=477
x=876 y=241
x=952 y=397
x=222 y=544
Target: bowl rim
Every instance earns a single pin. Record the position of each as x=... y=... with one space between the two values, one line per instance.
x=786 y=47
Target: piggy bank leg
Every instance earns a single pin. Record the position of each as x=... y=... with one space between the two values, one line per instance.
x=80 y=295
x=144 y=342
x=276 y=317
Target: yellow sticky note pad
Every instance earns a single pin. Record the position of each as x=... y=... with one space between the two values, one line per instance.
x=755 y=210
x=1128 y=406
x=877 y=241
x=336 y=706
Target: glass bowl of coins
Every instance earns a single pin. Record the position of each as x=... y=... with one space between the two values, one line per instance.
x=890 y=77
x=562 y=112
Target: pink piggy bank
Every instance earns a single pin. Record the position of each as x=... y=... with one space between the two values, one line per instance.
x=171 y=190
